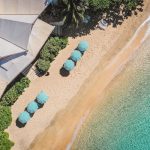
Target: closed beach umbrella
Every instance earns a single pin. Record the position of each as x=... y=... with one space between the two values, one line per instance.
x=24 y=117
x=83 y=46
x=76 y=55
x=69 y=65
x=42 y=97
x=32 y=107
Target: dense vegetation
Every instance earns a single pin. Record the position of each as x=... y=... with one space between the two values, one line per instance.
x=5 y=117
x=5 y=120
x=73 y=12
x=5 y=143
x=100 y=4
x=129 y=5
x=14 y=92
x=6 y=101
x=49 y=52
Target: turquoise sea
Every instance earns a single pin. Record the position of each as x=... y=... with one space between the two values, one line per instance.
x=122 y=121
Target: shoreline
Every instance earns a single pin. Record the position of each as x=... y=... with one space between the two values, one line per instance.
x=119 y=101
x=147 y=36
x=77 y=129
x=78 y=106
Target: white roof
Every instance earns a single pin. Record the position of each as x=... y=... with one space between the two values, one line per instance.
x=21 y=7
x=7 y=49
x=20 y=18
x=19 y=59
x=21 y=36
x=17 y=18
x=15 y=32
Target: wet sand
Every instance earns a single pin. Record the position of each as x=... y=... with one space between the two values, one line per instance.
x=60 y=132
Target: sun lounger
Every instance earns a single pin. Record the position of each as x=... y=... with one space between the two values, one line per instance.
x=102 y=24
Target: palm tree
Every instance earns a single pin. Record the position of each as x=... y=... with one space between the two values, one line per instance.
x=74 y=10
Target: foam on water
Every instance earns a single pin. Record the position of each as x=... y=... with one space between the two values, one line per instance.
x=77 y=130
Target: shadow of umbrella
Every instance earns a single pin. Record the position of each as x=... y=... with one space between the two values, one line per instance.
x=64 y=72
x=19 y=124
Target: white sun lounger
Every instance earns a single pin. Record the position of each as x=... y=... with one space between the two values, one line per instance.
x=102 y=24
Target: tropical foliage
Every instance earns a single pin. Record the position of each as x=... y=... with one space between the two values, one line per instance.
x=5 y=121
x=5 y=143
x=131 y=4
x=6 y=101
x=74 y=10
x=45 y=54
x=106 y=4
x=57 y=43
x=100 y=4
x=14 y=92
x=5 y=117
x=43 y=65
x=49 y=52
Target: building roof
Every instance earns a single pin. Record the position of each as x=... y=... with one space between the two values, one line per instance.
x=21 y=7
x=15 y=32
x=21 y=37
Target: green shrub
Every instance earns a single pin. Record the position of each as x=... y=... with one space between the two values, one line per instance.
x=100 y=4
x=5 y=117
x=5 y=143
x=51 y=45
x=43 y=66
x=130 y=5
x=52 y=56
x=49 y=52
x=20 y=86
x=57 y=42
x=25 y=82
x=45 y=54
x=106 y=4
x=63 y=42
x=54 y=51
x=10 y=97
x=14 y=92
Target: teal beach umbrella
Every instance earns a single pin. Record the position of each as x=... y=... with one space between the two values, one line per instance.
x=32 y=107
x=68 y=65
x=24 y=117
x=83 y=46
x=42 y=97
x=76 y=55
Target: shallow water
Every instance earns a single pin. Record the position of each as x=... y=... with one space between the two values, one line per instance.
x=122 y=121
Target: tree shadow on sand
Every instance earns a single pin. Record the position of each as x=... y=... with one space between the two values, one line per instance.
x=115 y=16
x=117 y=12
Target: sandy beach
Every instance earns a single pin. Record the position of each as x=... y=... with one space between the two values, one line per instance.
x=84 y=101
x=52 y=126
